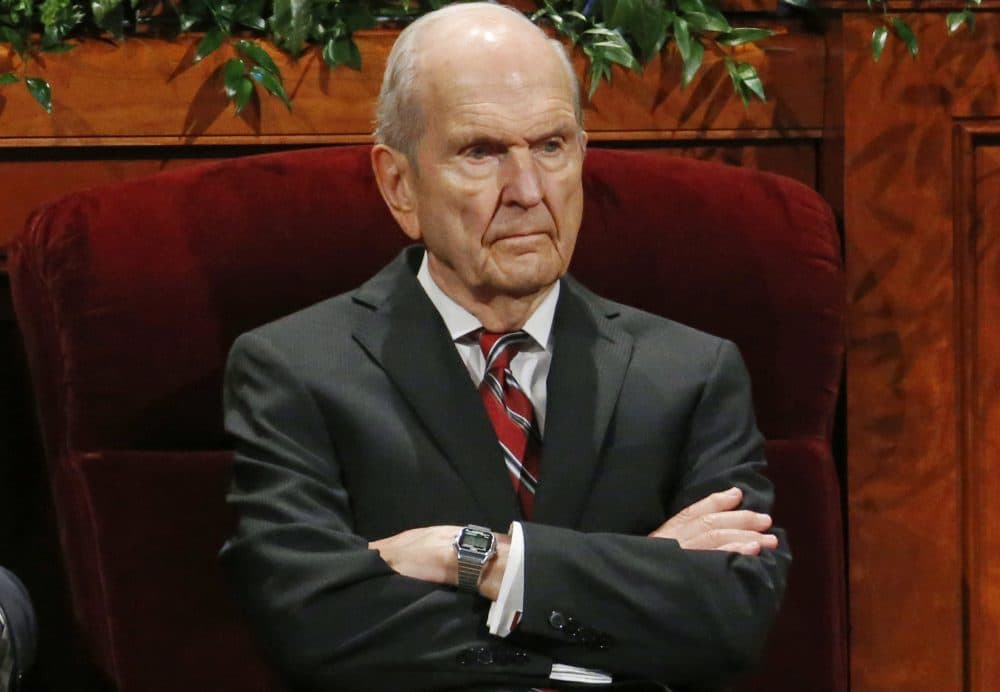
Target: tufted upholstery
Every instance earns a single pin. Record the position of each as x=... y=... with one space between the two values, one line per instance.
x=129 y=297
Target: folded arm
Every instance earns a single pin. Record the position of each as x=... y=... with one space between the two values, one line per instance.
x=333 y=614
x=337 y=610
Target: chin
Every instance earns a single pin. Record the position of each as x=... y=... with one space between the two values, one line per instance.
x=528 y=273
x=526 y=285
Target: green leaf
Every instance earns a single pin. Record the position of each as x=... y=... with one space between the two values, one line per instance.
x=222 y=15
x=259 y=56
x=109 y=15
x=693 y=63
x=879 y=37
x=611 y=48
x=188 y=21
x=804 y=4
x=270 y=82
x=738 y=86
x=244 y=90
x=682 y=36
x=248 y=15
x=751 y=80
x=746 y=81
x=208 y=44
x=342 y=51
x=41 y=91
x=739 y=36
x=12 y=37
x=643 y=21
x=233 y=72
x=599 y=69
x=58 y=18
x=702 y=17
x=358 y=16
x=290 y=24
x=955 y=20
x=8 y=78
x=905 y=33
x=648 y=28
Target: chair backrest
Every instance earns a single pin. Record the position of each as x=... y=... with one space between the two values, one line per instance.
x=129 y=297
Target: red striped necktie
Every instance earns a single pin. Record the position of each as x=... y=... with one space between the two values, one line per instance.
x=511 y=414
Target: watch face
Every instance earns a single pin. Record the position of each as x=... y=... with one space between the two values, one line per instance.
x=479 y=541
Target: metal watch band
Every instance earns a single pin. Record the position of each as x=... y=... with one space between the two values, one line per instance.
x=468 y=575
x=474 y=545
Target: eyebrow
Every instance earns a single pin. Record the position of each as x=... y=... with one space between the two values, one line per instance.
x=464 y=140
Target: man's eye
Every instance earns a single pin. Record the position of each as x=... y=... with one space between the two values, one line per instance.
x=552 y=146
x=480 y=152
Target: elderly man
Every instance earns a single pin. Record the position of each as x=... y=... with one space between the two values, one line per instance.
x=471 y=472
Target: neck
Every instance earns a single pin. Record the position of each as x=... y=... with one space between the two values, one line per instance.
x=505 y=313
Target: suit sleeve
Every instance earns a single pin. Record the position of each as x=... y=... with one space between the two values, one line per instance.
x=644 y=607
x=332 y=613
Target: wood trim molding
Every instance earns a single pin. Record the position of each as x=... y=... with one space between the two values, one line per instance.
x=979 y=486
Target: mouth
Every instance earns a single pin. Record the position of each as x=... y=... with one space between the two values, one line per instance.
x=522 y=236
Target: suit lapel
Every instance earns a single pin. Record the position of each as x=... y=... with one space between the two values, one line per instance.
x=408 y=339
x=590 y=358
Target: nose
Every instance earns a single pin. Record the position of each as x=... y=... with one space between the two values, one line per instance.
x=521 y=183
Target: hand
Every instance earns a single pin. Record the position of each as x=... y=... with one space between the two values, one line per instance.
x=428 y=554
x=714 y=523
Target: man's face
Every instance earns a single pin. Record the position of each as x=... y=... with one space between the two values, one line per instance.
x=498 y=191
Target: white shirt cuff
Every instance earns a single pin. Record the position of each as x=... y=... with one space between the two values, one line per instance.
x=506 y=610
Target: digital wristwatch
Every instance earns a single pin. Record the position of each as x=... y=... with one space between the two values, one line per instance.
x=475 y=546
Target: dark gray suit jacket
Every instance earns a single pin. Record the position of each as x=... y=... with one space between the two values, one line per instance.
x=355 y=419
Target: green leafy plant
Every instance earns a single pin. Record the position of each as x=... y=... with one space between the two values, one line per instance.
x=609 y=32
x=631 y=32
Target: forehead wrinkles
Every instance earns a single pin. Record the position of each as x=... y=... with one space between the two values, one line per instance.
x=529 y=121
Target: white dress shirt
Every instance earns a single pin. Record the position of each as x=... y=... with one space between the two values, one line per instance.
x=530 y=367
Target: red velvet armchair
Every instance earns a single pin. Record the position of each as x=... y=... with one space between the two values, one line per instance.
x=129 y=297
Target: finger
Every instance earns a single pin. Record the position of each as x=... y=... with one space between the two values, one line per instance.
x=752 y=548
x=715 y=539
x=716 y=502
x=734 y=519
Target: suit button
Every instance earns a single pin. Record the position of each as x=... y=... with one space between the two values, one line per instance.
x=557 y=620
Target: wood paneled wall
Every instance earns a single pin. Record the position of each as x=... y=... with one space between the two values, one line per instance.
x=908 y=154
x=922 y=161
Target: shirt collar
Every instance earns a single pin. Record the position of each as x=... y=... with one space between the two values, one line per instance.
x=461 y=322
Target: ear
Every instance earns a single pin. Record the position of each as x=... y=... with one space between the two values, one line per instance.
x=395 y=178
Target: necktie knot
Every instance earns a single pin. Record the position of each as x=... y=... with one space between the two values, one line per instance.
x=498 y=349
